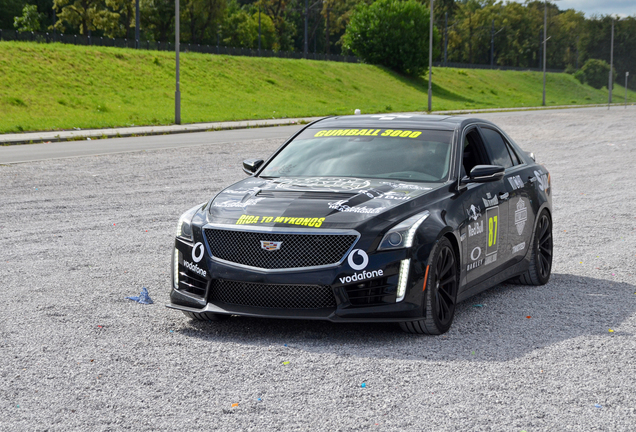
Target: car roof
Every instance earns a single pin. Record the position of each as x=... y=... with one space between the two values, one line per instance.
x=402 y=121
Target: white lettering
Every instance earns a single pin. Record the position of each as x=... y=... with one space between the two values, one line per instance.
x=363 y=275
x=195 y=268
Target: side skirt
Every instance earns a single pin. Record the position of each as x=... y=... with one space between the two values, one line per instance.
x=504 y=275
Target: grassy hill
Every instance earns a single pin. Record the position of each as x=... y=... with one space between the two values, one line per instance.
x=48 y=87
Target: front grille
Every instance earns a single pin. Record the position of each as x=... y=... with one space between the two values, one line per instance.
x=371 y=293
x=272 y=296
x=297 y=250
x=191 y=282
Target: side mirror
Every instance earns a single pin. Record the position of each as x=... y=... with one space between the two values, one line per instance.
x=532 y=156
x=484 y=174
x=250 y=166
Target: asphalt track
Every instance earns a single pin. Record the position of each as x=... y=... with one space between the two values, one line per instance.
x=78 y=235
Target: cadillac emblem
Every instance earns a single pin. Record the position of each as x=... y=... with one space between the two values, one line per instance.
x=271 y=245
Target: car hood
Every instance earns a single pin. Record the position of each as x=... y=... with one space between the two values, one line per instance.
x=313 y=202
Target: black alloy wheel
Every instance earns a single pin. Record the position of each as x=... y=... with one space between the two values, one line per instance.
x=540 y=268
x=440 y=293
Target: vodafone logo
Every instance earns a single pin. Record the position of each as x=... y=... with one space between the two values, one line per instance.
x=362 y=256
x=197 y=252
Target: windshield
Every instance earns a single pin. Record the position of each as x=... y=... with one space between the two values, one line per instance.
x=409 y=155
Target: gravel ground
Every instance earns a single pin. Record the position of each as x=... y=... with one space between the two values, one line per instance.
x=79 y=235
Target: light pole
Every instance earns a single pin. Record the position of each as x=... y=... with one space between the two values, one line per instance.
x=609 y=86
x=177 y=93
x=626 y=75
x=306 y=18
x=137 y=24
x=430 y=63
x=545 y=42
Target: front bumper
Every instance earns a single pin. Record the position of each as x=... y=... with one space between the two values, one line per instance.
x=370 y=298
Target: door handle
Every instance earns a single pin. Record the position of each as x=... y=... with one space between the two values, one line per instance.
x=504 y=196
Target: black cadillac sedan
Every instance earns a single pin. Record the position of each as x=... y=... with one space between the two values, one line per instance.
x=369 y=218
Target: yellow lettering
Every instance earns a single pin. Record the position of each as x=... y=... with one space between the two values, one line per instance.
x=405 y=134
x=279 y=219
x=330 y=132
x=352 y=132
x=396 y=133
x=376 y=132
x=387 y=132
x=415 y=134
x=286 y=220
x=306 y=221
x=319 y=134
x=341 y=132
x=363 y=131
x=319 y=222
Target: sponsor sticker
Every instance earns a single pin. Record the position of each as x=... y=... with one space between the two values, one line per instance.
x=363 y=275
x=393 y=133
x=197 y=252
x=515 y=182
x=321 y=183
x=476 y=228
x=490 y=202
x=519 y=247
x=542 y=179
x=360 y=262
x=195 y=268
x=474 y=212
x=492 y=216
x=250 y=219
x=237 y=204
x=475 y=254
x=342 y=206
x=521 y=216
x=490 y=259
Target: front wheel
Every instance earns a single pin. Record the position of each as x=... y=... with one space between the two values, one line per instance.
x=440 y=292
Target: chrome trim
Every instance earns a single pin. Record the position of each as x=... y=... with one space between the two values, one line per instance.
x=277 y=230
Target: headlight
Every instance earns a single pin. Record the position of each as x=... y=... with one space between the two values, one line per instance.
x=184 y=228
x=402 y=235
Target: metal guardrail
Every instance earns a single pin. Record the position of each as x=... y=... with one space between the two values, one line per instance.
x=13 y=35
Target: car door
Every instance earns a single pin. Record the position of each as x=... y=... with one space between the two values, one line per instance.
x=486 y=218
x=517 y=181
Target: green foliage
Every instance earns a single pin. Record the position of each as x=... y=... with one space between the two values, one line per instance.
x=82 y=14
x=392 y=33
x=240 y=28
x=594 y=73
x=30 y=19
x=54 y=86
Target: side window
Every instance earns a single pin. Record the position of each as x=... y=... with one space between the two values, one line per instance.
x=473 y=152
x=513 y=154
x=497 y=148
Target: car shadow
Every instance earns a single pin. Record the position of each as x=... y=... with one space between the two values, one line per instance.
x=505 y=322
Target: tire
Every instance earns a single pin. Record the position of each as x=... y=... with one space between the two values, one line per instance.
x=541 y=259
x=205 y=316
x=440 y=293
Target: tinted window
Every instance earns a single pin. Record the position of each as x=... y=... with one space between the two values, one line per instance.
x=411 y=155
x=497 y=148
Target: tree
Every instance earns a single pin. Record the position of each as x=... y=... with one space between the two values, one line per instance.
x=82 y=14
x=595 y=73
x=392 y=33
x=30 y=19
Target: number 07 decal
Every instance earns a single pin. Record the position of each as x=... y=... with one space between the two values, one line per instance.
x=492 y=215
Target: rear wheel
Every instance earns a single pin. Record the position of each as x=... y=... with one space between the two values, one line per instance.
x=541 y=259
x=440 y=293
x=205 y=316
